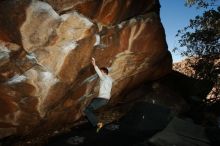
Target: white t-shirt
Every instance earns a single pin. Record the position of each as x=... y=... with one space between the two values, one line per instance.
x=105 y=84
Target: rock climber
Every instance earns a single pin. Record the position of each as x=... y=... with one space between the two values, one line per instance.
x=103 y=96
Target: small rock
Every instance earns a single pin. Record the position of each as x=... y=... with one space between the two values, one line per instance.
x=75 y=140
x=112 y=127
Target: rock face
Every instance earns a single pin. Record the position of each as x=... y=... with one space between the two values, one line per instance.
x=46 y=77
x=186 y=67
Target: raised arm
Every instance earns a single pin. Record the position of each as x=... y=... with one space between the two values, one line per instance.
x=98 y=71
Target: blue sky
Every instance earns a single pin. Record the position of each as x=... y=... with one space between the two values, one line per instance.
x=174 y=16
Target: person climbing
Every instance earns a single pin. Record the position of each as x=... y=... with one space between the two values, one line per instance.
x=103 y=96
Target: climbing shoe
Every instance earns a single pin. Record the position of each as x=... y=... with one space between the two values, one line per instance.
x=99 y=126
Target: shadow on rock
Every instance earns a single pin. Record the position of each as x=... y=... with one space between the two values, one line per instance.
x=142 y=121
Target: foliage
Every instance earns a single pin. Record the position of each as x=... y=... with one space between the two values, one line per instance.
x=202 y=36
x=201 y=3
x=201 y=40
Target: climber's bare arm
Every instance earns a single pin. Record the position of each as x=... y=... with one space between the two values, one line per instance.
x=98 y=71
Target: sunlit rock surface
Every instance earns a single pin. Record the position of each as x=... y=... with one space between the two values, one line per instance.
x=106 y=12
x=186 y=67
x=46 y=76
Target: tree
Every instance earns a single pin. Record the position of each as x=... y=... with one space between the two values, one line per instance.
x=201 y=40
x=202 y=36
x=201 y=3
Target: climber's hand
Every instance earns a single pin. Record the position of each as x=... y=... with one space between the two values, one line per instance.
x=93 y=61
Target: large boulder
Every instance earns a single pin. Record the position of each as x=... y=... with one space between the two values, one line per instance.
x=46 y=77
x=106 y=12
x=181 y=133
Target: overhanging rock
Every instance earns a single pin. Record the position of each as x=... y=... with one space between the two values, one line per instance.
x=45 y=71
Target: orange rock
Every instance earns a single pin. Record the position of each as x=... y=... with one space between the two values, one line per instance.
x=51 y=76
x=107 y=12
